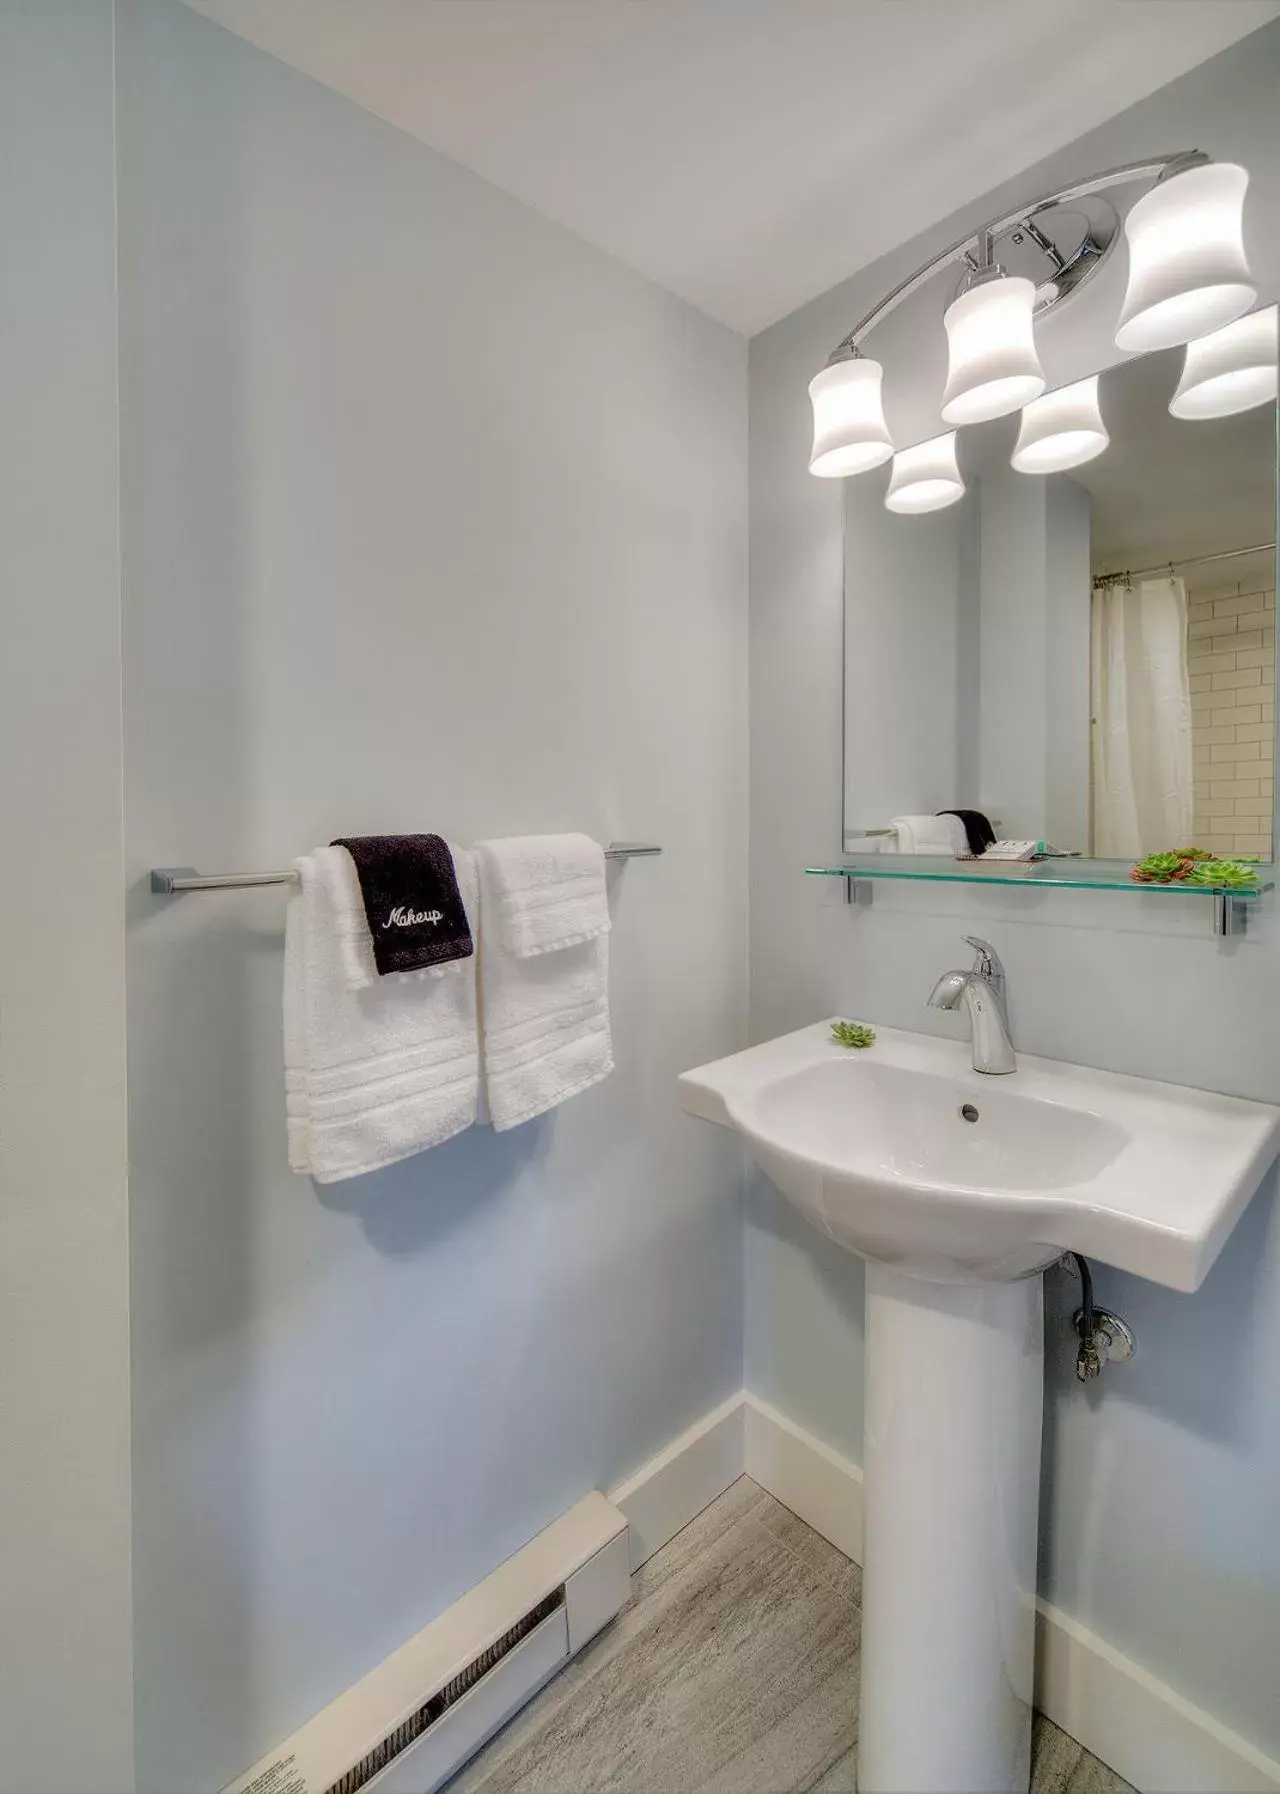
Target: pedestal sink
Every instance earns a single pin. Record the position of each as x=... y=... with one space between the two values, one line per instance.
x=958 y=1190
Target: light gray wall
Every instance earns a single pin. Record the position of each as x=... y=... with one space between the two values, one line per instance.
x=1068 y=601
x=434 y=517
x=65 y=1670
x=947 y=617
x=903 y=579
x=1162 y=1485
x=1011 y=713
x=1032 y=702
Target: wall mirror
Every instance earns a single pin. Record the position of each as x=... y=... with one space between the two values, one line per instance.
x=1086 y=657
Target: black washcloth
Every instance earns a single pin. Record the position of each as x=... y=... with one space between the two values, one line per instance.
x=976 y=826
x=411 y=900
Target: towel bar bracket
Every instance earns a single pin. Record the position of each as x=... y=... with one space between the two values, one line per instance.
x=172 y=881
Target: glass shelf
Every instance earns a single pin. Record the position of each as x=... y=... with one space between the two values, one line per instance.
x=1229 y=910
x=1069 y=874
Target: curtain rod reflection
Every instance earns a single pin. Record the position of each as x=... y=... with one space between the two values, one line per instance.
x=1193 y=560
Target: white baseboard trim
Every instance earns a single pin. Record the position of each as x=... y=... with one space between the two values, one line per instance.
x=1126 y=1717
x=804 y=1474
x=673 y=1488
x=1144 y=1730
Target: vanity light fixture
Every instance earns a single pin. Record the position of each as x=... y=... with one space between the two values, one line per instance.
x=849 y=431
x=994 y=367
x=926 y=477
x=1187 y=268
x=1062 y=429
x=1187 y=277
x=1231 y=370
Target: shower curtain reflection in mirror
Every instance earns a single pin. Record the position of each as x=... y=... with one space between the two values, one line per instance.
x=1141 y=699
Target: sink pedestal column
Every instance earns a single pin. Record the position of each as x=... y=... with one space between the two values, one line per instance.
x=954 y=1396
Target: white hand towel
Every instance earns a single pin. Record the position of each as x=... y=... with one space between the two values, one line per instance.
x=335 y=867
x=930 y=834
x=374 y=1074
x=545 y=892
x=545 y=1012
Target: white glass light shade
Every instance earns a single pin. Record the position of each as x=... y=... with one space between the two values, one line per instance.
x=849 y=431
x=1231 y=370
x=926 y=477
x=1187 y=268
x=994 y=367
x=1062 y=429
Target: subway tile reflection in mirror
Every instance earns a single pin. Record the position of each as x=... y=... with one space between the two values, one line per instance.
x=1086 y=654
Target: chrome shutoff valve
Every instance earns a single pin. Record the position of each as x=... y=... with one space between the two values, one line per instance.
x=1104 y=1337
x=1088 y=1361
x=1109 y=1341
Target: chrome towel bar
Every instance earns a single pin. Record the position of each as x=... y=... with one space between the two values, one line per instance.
x=171 y=881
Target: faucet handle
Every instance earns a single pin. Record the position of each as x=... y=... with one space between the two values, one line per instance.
x=986 y=960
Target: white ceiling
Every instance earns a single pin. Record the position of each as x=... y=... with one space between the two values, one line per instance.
x=745 y=154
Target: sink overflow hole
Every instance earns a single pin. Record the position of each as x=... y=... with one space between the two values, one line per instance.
x=968 y=1112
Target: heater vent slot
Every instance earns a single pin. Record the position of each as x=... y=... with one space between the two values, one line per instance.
x=411 y=1729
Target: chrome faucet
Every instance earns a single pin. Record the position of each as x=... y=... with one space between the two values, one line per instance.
x=982 y=991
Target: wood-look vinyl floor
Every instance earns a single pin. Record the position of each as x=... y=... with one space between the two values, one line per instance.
x=732 y=1670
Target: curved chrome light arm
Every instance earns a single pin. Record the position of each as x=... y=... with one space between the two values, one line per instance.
x=1155 y=167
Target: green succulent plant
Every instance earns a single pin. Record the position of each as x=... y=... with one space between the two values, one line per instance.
x=1224 y=875
x=1162 y=867
x=853 y=1034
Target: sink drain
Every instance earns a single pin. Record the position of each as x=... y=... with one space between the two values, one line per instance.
x=968 y=1112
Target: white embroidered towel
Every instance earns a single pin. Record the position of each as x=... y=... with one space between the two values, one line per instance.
x=375 y=1074
x=337 y=869
x=545 y=1011
x=545 y=891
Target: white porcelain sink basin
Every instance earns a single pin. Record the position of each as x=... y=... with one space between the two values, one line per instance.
x=883 y=1150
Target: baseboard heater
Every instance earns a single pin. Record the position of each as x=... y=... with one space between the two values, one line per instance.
x=408 y=1725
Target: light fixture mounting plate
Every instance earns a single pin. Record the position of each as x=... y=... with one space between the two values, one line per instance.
x=1059 y=246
